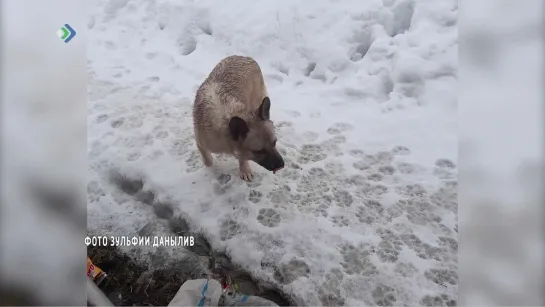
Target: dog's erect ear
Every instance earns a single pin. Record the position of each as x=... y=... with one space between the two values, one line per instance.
x=264 y=108
x=238 y=128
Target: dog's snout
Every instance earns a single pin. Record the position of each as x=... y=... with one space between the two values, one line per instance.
x=280 y=163
x=272 y=161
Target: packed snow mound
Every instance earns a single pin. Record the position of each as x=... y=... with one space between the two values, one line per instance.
x=364 y=102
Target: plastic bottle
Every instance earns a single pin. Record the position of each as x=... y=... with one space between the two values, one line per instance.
x=96 y=274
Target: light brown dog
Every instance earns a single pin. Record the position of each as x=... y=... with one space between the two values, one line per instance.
x=231 y=116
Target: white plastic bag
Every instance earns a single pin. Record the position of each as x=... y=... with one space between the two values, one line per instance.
x=198 y=292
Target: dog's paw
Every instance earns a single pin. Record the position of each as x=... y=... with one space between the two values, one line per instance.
x=208 y=161
x=245 y=171
x=246 y=176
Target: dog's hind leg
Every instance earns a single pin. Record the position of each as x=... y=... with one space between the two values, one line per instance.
x=245 y=170
x=206 y=156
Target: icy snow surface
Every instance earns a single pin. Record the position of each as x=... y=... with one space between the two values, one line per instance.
x=364 y=101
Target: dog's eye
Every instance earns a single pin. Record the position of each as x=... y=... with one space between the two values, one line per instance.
x=260 y=152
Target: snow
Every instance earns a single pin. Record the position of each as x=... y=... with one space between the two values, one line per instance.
x=43 y=195
x=364 y=102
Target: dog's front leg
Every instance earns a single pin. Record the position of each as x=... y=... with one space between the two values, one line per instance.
x=206 y=156
x=245 y=170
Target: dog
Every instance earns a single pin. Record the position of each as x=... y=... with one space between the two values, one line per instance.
x=231 y=115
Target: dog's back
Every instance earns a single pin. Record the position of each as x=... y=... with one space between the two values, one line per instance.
x=234 y=87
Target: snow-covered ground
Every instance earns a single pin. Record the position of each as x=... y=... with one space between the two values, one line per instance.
x=364 y=100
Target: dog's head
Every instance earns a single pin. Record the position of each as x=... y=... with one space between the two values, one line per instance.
x=255 y=138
